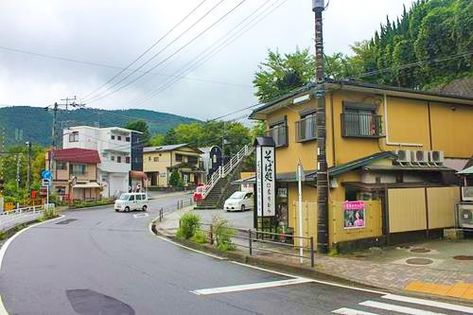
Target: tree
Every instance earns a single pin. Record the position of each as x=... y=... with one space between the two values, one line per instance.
x=175 y=179
x=141 y=126
x=279 y=74
x=157 y=140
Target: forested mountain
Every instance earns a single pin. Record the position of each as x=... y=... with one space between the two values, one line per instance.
x=26 y=123
x=431 y=44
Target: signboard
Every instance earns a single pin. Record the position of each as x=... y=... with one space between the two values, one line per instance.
x=354 y=215
x=45 y=174
x=265 y=181
x=45 y=182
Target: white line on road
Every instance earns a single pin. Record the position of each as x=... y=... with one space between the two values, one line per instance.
x=397 y=308
x=140 y=215
x=253 y=286
x=3 y=310
x=447 y=306
x=350 y=311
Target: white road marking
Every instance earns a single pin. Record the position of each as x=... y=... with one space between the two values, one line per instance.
x=398 y=308
x=270 y=271
x=140 y=215
x=447 y=306
x=253 y=286
x=350 y=311
x=5 y=246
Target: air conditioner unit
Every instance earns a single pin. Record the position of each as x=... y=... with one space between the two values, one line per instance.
x=467 y=193
x=420 y=157
x=465 y=216
x=436 y=157
x=403 y=156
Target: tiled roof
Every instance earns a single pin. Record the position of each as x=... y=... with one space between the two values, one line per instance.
x=76 y=155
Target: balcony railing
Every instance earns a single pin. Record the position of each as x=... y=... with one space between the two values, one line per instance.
x=279 y=134
x=362 y=125
x=306 y=129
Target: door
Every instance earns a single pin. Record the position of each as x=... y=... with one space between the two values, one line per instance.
x=132 y=202
x=248 y=201
x=138 y=202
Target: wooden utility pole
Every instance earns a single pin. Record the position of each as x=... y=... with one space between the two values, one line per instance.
x=28 y=176
x=318 y=6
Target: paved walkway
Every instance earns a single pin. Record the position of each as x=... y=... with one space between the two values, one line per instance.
x=439 y=268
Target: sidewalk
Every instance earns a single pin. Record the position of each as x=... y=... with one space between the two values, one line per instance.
x=441 y=268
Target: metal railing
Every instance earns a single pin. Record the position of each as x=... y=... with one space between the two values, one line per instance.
x=363 y=125
x=24 y=210
x=306 y=129
x=279 y=135
x=258 y=242
x=226 y=169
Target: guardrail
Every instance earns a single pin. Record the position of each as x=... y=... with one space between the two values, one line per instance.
x=32 y=209
x=257 y=242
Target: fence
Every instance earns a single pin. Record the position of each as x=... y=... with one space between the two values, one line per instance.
x=260 y=242
x=18 y=216
x=180 y=204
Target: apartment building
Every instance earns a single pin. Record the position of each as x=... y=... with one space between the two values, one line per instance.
x=120 y=152
x=396 y=150
x=160 y=162
x=74 y=173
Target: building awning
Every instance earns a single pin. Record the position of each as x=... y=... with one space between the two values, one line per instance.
x=456 y=164
x=138 y=174
x=466 y=171
x=87 y=185
x=408 y=168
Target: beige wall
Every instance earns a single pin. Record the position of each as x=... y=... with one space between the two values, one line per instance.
x=442 y=202
x=407 y=209
x=90 y=175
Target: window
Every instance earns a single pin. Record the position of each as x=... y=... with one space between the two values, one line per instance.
x=61 y=165
x=178 y=157
x=360 y=120
x=119 y=138
x=78 y=169
x=279 y=133
x=192 y=160
x=74 y=136
x=132 y=198
x=138 y=197
x=127 y=159
x=306 y=127
x=112 y=158
x=119 y=159
x=149 y=158
x=155 y=159
x=127 y=139
x=113 y=137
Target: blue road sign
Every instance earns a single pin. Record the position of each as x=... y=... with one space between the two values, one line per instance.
x=45 y=174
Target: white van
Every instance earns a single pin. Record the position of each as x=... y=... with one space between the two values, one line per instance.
x=239 y=201
x=132 y=201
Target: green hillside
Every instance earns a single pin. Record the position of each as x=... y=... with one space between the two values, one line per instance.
x=26 y=123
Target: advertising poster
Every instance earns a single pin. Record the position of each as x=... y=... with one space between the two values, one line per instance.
x=354 y=215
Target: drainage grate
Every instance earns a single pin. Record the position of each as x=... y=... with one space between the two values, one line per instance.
x=67 y=221
x=420 y=250
x=463 y=257
x=419 y=261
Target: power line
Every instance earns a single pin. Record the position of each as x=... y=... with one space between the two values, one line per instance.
x=160 y=51
x=215 y=48
x=173 y=54
x=148 y=49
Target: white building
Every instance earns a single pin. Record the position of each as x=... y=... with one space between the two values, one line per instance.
x=114 y=145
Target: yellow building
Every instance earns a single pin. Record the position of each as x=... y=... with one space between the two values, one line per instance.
x=160 y=162
x=386 y=146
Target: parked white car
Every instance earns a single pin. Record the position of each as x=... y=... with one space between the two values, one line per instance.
x=132 y=201
x=239 y=201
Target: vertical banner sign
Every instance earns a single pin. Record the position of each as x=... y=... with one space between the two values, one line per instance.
x=265 y=183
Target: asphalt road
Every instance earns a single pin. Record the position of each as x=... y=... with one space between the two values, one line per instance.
x=96 y=261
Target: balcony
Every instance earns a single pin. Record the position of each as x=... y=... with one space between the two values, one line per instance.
x=279 y=134
x=361 y=125
x=306 y=129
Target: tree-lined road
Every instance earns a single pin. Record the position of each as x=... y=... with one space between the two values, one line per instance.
x=96 y=261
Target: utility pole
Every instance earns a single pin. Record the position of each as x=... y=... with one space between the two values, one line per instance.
x=318 y=6
x=18 y=165
x=28 y=176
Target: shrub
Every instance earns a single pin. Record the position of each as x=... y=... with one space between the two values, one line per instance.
x=189 y=223
x=223 y=234
x=49 y=213
x=199 y=237
x=3 y=235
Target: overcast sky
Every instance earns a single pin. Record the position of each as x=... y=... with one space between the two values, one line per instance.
x=104 y=36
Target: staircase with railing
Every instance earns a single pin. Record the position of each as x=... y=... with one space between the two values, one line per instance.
x=220 y=180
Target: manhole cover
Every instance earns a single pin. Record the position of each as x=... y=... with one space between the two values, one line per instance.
x=67 y=221
x=404 y=247
x=463 y=257
x=420 y=250
x=419 y=261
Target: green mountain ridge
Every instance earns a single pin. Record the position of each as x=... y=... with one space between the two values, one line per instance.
x=28 y=123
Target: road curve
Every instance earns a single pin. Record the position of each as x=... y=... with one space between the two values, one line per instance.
x=96 y=261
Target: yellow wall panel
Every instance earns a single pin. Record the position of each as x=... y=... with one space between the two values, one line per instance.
x=407 y=209
x=442 y=202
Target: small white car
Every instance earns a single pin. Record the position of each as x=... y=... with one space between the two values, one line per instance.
x=131 y=201
x=239 y=201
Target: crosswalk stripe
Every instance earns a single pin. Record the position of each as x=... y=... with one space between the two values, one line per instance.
x=447 y=306
x=397 y=308
x=350 y=311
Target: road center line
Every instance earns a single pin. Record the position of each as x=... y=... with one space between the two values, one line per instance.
x=447 y=306
x=253 y=286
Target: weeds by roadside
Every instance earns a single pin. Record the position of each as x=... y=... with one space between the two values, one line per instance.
x=223 y=234
x=189 y=224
